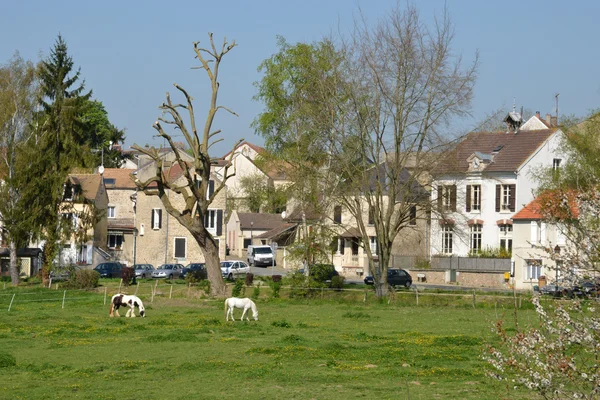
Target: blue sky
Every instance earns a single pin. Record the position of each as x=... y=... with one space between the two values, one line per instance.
x=131 y=52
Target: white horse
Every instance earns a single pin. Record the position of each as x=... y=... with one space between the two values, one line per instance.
x=246 y=303
x=124 y=300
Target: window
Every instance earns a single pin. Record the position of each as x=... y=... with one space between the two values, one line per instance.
x=536 y=232
x=373 y=243
x=337 y=214
x=413 y=215
x=210 y=219
x=505 y=198
x=475 y=237
x=115 y=240
x=110 y=212
x=109 y=181
x=532 y=269
x=355 y=246
x=556 y=164
x=156 y=218
x=180 y=247
x=473 y=198
x=447 y=198
x=447 y=239
x=505 y=236
x=371 y=216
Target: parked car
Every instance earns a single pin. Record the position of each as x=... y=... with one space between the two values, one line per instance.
x=321 y=272
x=197 y=269
x=168 y=271
x=233 y=269
x=143 y=270
x=261 y=256
x=110 y=269
x=395 y=277
x=554 y=290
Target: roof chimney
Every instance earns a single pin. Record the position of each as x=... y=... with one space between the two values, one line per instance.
x=549 y=119
x=537 y=114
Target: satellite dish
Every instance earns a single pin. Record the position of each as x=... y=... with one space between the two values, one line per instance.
x=101 y=169
x=283 y=215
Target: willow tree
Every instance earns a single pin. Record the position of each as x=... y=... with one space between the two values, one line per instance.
x=196 y=173
x=379 y=110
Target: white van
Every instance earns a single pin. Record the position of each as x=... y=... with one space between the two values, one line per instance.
x=261 y=256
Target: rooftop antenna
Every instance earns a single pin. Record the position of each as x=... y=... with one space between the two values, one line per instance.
x=556 y=97
x=514 y=104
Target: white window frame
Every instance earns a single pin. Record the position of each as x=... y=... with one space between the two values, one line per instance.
x=447 y=239
x=447 y=197
x=535 y=235
x=556 y=164
x=505 y=198
x=475 y=198
x=373 y=243
x=157 y=217
x=505 y=234
x=212 y=220
x=476 y=236
x=532 y=270
x=109 y=213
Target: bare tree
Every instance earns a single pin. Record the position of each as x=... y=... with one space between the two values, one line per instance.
x=404 y=86
x=196 y=173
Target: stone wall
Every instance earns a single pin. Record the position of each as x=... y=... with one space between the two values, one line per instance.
x=475 y=279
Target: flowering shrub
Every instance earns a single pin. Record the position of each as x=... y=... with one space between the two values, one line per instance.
x=559 y=359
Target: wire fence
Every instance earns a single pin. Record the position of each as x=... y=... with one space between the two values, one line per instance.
x=149 y=291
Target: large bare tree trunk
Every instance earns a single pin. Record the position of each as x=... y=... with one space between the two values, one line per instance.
x=14 y=268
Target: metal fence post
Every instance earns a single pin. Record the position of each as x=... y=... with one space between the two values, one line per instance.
x=11 y=301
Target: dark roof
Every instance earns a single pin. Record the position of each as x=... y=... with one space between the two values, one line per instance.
x=23 y=252
x=277 y=231
x=351 y=233
x=122 y=178
x=89 y=183
x=260 y=221
x=517 y=147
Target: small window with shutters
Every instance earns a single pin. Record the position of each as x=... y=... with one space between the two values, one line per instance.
x=156 y=218
x=505 y=198
x=473 y=203
x=337 y=215
x=447 y=198
x=180 y=247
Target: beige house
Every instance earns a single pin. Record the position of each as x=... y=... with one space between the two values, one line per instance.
x=160 y=237
x=84 y=203
x=120 y=215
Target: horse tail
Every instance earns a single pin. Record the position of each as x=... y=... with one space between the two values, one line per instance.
x=112 y=306
x=226 y=301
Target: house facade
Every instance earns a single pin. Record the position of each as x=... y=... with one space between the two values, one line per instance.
x=484 y=181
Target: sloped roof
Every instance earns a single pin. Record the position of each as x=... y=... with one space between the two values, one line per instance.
x=254 y=147
x=277 y=231
x=89 y=183
x=259 y=221
x=517 y=148
x=553 y=204
x=121 y=176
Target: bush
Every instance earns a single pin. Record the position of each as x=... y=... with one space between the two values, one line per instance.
x=256 y=292
x=249 y=279
x=84 y=279
x=337 y=282
x=276 y=278
x=237 y=288
x=275 y=284
x=7 y=360
x=194 y=276
x=204 y=285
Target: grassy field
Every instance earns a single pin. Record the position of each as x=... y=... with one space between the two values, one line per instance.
x=299 y=349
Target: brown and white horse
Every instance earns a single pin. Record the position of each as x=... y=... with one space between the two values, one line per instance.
x=125 y=300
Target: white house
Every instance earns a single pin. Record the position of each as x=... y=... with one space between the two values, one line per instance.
x=485 y=180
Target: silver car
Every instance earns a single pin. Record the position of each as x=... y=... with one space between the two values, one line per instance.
x=168 y=271
x=233 y=269
x=143 y=270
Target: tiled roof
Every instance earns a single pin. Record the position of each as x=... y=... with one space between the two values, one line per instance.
x=516 y=149
x=121 y=177
x=90 y=183
x=553 y=205
x=254 y=147
x=276 y=231
x=259 y=221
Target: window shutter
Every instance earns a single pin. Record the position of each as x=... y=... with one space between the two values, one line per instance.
x=159 y=218
x=439 y=198
x=179 y=247
x=453 y=197
x=206 y=218
x=152 y=219
x=513 y=197
x=219 y=222
x=211 y=187
x=498 y=191
x=468 y=198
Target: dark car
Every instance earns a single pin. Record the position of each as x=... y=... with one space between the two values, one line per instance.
x=143 y=270
x=198 y=270
x=110 y=270
x=395 y=277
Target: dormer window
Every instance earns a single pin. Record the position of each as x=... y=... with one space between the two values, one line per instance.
x=70 y=192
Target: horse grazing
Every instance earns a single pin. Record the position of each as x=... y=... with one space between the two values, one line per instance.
x=124 y=300
x=246 y=303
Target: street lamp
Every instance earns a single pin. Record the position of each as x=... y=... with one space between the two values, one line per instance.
x=251 y=231
x=556 y=256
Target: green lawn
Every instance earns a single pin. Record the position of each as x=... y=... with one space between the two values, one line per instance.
x=299 y=349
